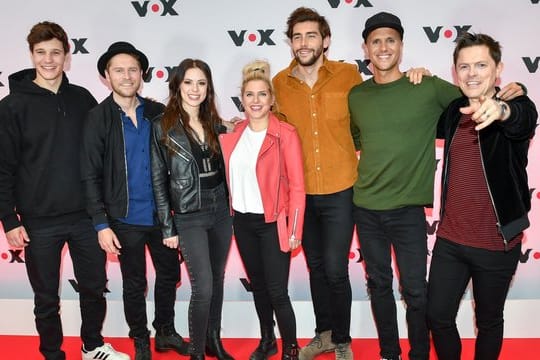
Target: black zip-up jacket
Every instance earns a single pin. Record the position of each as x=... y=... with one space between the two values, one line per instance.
x=503 y=147
x=40 y=136
x=175 y=175
x=103 y=160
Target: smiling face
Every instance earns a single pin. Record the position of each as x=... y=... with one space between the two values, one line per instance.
x=193 y=88
x=257 y=99
x=124 y=74
x=48 y=58
x=477 y=72
x=307 y=43
x=384 y=47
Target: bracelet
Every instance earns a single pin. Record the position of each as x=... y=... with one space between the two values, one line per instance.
x=504 y=108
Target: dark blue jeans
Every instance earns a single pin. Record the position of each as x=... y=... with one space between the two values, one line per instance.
x=405 y=231
x=134 y=240
x=43 y=257
x=328 y=231
x=452 y=267
x=205 y=240
x=268 y=270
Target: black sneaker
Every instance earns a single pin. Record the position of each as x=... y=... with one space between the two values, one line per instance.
x=168 y=339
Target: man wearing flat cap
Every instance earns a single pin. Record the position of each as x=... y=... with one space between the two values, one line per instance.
x=394 y=123
x=115 y=165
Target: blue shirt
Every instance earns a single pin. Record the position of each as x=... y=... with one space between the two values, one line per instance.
x=141 y=206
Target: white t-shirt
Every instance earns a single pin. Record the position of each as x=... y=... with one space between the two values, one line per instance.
x=245 y=192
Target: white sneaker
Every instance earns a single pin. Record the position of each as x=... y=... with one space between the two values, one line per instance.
x=104 y=352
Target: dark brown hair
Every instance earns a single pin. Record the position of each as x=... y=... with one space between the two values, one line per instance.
x=45 y=31
x=175 y=115
x=467 y=39
x=303 y=14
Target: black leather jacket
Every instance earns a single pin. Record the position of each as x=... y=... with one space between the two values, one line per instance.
x=503 y=147
x=103 y=160
x=175 y=175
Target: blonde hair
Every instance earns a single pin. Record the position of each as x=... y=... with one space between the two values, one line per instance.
x=257 y=70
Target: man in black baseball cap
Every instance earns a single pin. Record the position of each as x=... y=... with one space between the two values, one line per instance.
x=382 y=19
x=116 y=175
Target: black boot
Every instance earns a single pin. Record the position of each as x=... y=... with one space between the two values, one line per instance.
x=142 y=348
x=267 y=345
x=290 y=352
x=168 y=339
x=214 y=346
x=197 y=357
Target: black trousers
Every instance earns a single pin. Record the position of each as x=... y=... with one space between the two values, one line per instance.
x=134 y=240
x=328 y=232
x=452 y=267
x=43 y=257
x=268 y=270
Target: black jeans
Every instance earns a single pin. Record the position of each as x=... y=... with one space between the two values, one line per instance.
x=134 y=240
x=43 y=257
x=404 y=230
x=452 y=267
x=328 y=231
x=205 y=240
x=268 y=270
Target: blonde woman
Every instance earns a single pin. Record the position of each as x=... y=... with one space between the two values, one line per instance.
x=263 y=162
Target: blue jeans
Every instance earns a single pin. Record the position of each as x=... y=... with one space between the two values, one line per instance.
x=134 y=240
x=328 y=231
x=268 y=270
x=452 y=267
x=43 y=257
x=205 y=240
x=404 y=230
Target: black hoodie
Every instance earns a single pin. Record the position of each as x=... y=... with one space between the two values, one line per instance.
x=40 y=136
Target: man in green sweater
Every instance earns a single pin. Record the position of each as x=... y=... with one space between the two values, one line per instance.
x=393 y=125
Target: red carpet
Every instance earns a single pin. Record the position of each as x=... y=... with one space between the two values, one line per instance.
x=26 y=348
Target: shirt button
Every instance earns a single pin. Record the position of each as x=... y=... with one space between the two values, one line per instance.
x=315 y=133
x=316 y=150
x=318 y=168
x=314 y=114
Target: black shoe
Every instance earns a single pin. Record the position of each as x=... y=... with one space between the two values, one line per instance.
x=267 y=345
x=214 y=346
x=168 y=339
x=290 y=352
x=197 y=357
x=142 y=348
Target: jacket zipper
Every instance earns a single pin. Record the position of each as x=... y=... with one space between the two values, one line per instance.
x=125 y=166
x=490 y=195
x=185 y=158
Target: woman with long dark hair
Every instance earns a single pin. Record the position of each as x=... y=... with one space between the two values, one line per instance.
x=191 y=197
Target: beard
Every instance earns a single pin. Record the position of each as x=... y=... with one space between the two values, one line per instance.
x=317 y=53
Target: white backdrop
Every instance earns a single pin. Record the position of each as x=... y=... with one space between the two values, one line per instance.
x=227 y=35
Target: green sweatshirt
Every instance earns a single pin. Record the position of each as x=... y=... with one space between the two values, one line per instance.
x=394 y=126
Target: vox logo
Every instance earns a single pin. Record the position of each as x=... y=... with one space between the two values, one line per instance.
x=1 y=85
x=163 y=74
x=257 y=37
x=14 y=256
x=78 y=46
x=238 y=103
x=161 y=7
x=363 y=66
x=531 y=64
x=449 y=33
x=355 y=3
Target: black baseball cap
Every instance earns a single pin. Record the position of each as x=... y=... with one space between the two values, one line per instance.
x=382 y=19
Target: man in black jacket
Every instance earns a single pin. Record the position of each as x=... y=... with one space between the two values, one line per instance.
x=484 y=200
x=41 y=202
x=115 y=163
